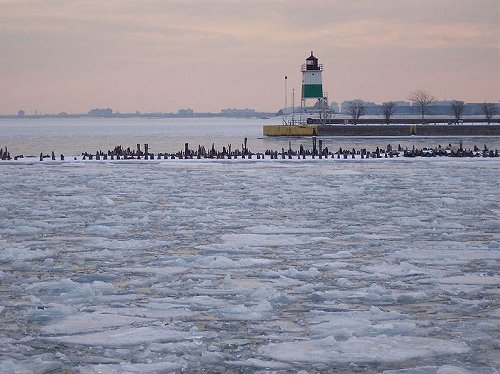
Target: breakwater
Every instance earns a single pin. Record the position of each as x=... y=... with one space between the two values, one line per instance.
x=368 y=130
x=316 y=151
x=403 y=120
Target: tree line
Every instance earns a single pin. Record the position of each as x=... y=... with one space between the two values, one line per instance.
x=422 y=101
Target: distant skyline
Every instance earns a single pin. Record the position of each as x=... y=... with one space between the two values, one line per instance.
x=155 y=56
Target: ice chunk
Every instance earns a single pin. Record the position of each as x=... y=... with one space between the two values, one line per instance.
x=242 y=313
x=130 y=368
x=107 y=202
x=210 y=358
x=85 y=322
x=124 y=337
x=266 y=240
x=365 y=349
x=221 y=262
x=43 y=313
x=21 y=253
x=445 y=369
x=472 y=279
x=273 y=229
x=258 y=363
x=37 y=364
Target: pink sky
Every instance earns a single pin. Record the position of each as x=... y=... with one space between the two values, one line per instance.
x=151 y=55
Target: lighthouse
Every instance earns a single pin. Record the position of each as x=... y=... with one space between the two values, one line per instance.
x=312 y=89
x=312 y=85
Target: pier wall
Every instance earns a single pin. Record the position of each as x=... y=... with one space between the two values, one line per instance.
x=282 y=130
x=384 y=130
x=399 y=120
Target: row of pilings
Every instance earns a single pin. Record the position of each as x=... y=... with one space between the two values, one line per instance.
x=4 y=155
x=228 y=152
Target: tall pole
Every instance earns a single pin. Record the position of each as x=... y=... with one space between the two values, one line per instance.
x=286 y=94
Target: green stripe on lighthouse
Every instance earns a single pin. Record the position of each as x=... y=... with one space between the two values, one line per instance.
x=310 y=91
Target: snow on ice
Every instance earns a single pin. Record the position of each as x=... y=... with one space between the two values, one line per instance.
x=313 y=266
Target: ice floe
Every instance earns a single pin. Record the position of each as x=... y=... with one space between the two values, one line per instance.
x=250 y=267
x=367 y=349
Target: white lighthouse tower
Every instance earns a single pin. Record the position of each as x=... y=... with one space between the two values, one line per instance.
x=312 y=89
x=312 y=85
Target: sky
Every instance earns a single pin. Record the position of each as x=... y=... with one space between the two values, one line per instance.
x=164 y=55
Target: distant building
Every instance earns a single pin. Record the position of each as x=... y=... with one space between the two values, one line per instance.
x=21 y=113
x=477 y=109
x=403 y=108
x=100 y=112
x=442 y=107
x=238 y=112
x=370 y=108
x=185 y=112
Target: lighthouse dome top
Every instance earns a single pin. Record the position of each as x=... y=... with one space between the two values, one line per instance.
x=312 y=63
x=311 y=57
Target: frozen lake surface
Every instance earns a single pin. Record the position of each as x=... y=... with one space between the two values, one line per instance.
x=286 y=266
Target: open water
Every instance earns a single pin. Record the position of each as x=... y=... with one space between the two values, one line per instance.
x=74 y=136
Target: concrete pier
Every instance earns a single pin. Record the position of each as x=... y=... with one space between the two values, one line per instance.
x=363 y=130
x=295 y=130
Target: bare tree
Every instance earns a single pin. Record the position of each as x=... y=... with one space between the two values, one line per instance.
x=355 y=110
x=422 y=99
x=489 y=110
x=457 y=107
x=388 y=109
